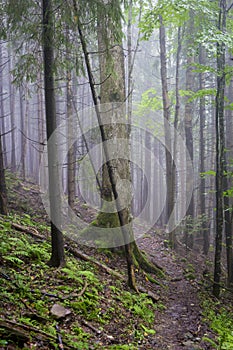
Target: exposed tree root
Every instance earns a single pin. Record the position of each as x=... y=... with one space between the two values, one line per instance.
x=31 y=231
x=83 y=290
x=78 y=254
x=143 y=262
x=139 y=260
x=110 y=271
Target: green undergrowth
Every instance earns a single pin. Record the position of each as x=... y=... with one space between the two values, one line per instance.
x=22 y=196
x=221 y=322
x=104 y=314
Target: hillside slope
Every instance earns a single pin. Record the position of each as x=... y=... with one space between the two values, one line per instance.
x=98 y=311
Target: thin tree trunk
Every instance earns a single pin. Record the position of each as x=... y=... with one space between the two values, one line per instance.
x=170 y=179
x=22 y=132
x=58 y=256
x=130 y=68
x=188 y=130
x=2 y=109
x=12 y=115
x=71 y=152
x=228 y=183
x=71 y=158
x=40 y=123
x=172 y=237
x=147 y=179
x=205 y=231
x=228 y=226
x=26 y=133
x=220 y=145
x=3 y=192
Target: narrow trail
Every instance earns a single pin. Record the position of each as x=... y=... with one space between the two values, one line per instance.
x=180 y=325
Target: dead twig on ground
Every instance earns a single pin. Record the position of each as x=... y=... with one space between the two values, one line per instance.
x=31 y=231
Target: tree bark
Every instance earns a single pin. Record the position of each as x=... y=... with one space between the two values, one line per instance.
x=188 y=129
x=22 y=132
x=2 y=109
x=71 y=152
x=58 y=256
x=113 y=92
x=220 y=148
x=170 y=166
x=172 y=235
x=205 y=232
x=3 y=192
x=12 y=114
x=40 y=122
x=228 y=183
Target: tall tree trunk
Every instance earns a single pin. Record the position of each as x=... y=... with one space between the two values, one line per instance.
x=148 y=178
x=170 y=178
x=71 y=158
x=12 y=113
x=202 y=189
x=3 y=192
x=26 y=132
x=71 y=152
x=220 y=148
x=40 y=122
x=211 y=164
x=228 y=207
x=172 y=237
x=228 y=184
x=22 y=132
x=112 y=91
x=130 y=62
x=189 y=128
x=58 y=256
x=2 y=109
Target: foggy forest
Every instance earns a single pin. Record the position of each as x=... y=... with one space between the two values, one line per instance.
x=116 y=174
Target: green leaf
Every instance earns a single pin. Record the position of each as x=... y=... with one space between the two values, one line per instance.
x=208 y=173
x=147 y=330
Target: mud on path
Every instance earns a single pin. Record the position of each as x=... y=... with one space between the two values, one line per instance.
x=181 y=324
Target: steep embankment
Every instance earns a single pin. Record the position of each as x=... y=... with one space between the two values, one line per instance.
x=100 y=312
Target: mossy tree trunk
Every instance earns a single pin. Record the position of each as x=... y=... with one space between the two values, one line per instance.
x=112 y=90
x=116 y=170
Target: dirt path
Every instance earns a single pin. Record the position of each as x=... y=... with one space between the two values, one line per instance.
x=180 y=325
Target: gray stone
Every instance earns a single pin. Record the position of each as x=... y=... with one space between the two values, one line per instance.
x=59 y=311
x=190 y=345
x=188 y=335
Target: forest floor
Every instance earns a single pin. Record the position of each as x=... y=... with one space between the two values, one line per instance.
x=181 y=325
x=100 y=311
